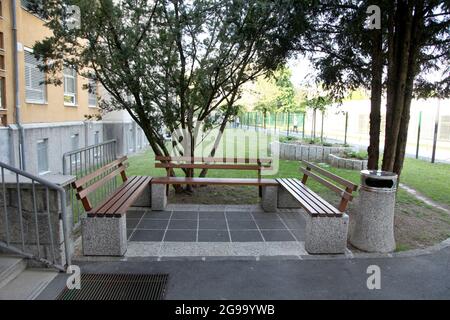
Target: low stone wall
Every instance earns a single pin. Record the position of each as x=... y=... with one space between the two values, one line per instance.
x=293 y=151
x=49 y=223
x=342 y=163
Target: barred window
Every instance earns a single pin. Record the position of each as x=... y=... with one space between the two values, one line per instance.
x=42 y=153
x=35 y=88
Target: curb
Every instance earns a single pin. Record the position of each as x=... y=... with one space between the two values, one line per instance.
x=347 y=256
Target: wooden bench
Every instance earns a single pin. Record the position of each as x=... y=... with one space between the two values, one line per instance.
x=118 y=203
x=312 y=202
x=243 y=164
x=326 y=225
x=104 y=230
x=170 y=163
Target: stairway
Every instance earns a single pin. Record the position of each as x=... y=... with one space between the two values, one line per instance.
x=18 y=282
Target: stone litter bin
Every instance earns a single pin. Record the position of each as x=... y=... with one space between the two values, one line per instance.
x=372 y=224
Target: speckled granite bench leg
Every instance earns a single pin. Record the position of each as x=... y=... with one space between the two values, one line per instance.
x=145 y=199
x=159 y=197
x=104 y=236
x=286 y=200
x=269 y=201
x=326 y=235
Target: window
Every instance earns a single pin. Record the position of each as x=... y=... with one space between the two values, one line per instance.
x=42 y=153
x=445 y=128
x=70 y=86
x=2 y=93
x=34 y=7
x=2 y=41
x=131 y=140
x=75 y=144
x=92 y=93
x=139 y=142
x=75 y=138
x=35 y=89
x=96 y=142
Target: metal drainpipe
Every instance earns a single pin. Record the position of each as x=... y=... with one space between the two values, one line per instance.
x=16 y=86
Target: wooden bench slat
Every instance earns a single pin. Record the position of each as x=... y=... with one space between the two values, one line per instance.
x=208 y=166
x=322 y=207
x=307 y=205
x=330 y=209
x=124 y=200
x=133 y=196
x=214 y=181
x=213 y=160
x=114 y=203
x=82 y=181
x=332 y=176
x=328 y=184
x=82 y=194
x=113 y=198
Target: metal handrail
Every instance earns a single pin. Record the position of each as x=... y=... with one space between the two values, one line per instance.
x=83 y=161
x=74 y=152
x=49 y=185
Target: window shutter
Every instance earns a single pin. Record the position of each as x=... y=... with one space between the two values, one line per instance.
x=34 y=78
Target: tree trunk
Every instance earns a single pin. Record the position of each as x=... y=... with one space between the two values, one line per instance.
x=377 y=91
x=397 y=82
x=412 y=72
x=222 y=128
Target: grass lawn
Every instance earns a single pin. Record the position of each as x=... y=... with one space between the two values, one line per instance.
x=431 y=180
x=417 y=225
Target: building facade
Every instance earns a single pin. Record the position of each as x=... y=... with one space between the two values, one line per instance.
x=53 y=119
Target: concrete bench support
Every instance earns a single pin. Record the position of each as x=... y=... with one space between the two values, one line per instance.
x=269 y=199
x=159 y=197
x=326 y=235
x=286 y=200
x=104 y=236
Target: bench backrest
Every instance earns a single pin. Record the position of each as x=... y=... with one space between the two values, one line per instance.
x=318 y=174
x=170 y=163
x=91 y=182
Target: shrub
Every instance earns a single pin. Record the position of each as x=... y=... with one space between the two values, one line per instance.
x=360 y=155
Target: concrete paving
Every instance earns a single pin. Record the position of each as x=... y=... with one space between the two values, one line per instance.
x=414 y=277
x=28 y=285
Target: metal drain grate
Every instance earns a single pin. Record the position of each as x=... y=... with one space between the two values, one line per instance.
x=118 y=287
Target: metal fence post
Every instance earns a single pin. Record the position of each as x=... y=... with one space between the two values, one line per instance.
x=436 y=131
x=419 y=129
x=346 y=128
x=304 y=123
x=288 y=122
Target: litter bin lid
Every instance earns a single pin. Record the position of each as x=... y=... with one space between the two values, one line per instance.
x=380 y=175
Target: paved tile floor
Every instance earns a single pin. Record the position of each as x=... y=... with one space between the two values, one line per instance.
x=226 y=224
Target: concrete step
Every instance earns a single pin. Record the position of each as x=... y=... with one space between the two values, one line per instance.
x=28 y=285
x=10 y=268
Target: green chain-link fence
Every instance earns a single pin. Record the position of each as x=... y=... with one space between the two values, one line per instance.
x=291 y=122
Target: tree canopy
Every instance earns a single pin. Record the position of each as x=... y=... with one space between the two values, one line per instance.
x=172 y=64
